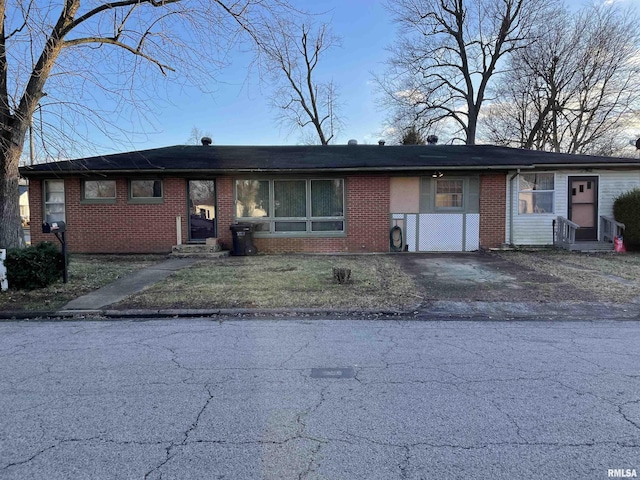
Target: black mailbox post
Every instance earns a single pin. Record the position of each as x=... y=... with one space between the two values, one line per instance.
x=59 y=229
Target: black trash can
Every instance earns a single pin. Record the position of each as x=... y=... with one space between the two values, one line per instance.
x=243 y=239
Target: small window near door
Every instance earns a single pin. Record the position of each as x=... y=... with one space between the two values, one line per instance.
x=449 y=194
x=536 y=193
x=54 y=201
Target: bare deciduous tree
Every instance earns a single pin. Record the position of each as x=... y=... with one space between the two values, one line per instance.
x=196 y=135
x=440 y=67
x=576 y=90
x=86 y=51
x=292 y=56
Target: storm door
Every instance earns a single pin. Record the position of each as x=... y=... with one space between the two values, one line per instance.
x=202 y=209
x=583 y=206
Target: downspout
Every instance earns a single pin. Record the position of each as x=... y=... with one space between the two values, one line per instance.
x=511 y=206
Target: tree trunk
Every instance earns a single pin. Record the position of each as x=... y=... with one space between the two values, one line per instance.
x=11 y=233
x=472 y=127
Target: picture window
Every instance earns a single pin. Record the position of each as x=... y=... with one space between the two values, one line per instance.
x=295 y=206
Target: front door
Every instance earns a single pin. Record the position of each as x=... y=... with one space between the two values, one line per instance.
x=583 y=206
x=202 y=209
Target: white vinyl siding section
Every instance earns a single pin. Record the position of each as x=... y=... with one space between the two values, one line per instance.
x=536 y=229
x=612 y=184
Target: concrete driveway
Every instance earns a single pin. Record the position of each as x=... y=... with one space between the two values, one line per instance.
x=300 y=399
x=484 y=277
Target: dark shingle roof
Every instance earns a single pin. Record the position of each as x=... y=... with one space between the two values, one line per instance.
x=220 y=159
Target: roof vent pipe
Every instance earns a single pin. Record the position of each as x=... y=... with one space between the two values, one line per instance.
x=352 y=142
x=381 y=142
x=206 y=141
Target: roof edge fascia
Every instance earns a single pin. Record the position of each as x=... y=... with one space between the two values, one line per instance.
x=88 y=173
x=25 y=172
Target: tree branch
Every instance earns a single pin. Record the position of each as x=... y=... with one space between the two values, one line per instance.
x=112 y=6
x=113 y=41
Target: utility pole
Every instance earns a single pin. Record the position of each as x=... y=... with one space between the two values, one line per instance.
x=31 y=154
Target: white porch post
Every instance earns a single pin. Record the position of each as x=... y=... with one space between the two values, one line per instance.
x=3 y=270
x=179 y=230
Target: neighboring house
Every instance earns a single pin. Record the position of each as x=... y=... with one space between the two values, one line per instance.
x=327 y=198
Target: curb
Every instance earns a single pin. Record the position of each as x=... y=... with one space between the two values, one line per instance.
x=435 y=310
x=195 y=313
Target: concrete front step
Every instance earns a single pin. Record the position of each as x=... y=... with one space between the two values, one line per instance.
x=590 y=247
x=198 y=251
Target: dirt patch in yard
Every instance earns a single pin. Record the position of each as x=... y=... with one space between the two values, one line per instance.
x=283 y=281
x=486 y=277
x=606 y=277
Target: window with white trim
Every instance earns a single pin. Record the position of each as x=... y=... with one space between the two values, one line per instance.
x=536 y=192
x=292 y=206
x=54 y=204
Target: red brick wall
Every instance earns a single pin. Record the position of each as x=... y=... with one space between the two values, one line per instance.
x=35 y=212
x=493 y=208
x=368 y=208
x=124 y=227
x=225 y=210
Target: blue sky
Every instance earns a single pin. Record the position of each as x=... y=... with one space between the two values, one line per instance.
x=237 y=111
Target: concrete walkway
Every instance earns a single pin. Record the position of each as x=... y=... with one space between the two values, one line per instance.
x=126 y=286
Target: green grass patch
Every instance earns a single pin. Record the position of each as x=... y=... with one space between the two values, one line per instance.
x=282 y=281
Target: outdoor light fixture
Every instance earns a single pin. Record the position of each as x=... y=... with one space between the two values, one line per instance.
x=437 y=174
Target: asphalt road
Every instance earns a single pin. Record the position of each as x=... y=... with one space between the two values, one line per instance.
x=202 y=399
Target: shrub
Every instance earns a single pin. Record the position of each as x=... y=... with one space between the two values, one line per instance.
x=34 y=267
x=626 y=209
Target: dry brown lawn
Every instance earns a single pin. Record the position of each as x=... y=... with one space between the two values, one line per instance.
x=283 y=281
x=607 y=277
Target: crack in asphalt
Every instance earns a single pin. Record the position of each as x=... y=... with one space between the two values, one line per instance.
x=31 y=458
x=479 y=446
x=311 y=461
x=637 y=425
x=617 y=406
x=302 y=426
x=290 y=357
x=404 y=465
x=56 y=444
x=185 y=437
